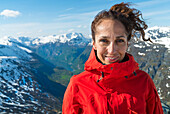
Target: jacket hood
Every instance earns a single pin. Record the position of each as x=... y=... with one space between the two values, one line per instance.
x=117 y=69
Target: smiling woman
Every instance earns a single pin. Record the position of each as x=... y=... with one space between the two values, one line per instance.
x=112 y=82
x=110 y=41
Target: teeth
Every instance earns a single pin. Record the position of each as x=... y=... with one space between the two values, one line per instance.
x=111 y=58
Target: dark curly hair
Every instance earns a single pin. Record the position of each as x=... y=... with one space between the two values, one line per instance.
x=131 y=18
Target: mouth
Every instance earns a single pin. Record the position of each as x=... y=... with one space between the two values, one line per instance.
x=112 y=59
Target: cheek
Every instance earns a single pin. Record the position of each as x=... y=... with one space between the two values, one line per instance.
x=101 y=51
x=123 y=49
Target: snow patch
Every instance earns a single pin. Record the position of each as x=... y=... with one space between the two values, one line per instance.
x=8 y=57
x=27 y=50
x=142 y=54
x=168 y=77
x=136 y=45
x=157 y=50
x=148 y=50
x=168 y=93
x=165 y=41
x=159 y=93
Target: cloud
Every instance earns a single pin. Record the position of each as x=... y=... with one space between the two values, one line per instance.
x=85 y=26
x=61 y=31
x=151 y=3
x=78 y=16
x=64 y=15
x=157 y=13
x=79 y=26
x=9 y=13
x=70 y=30
x=69 y=9
x=36 y=29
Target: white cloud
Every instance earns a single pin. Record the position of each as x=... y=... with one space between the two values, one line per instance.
x=79 y=26
x=9 y=13
x=157 y=13
x=65 y=15
x=61 y=31
x=79 y=16
x=85 y=26
x=70 y=30
x=40 y=30
x=151 y=3
x=69 y=9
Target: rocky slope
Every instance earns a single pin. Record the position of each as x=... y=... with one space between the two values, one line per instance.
x=154 y=58
x=50 y=56
x=21 y=90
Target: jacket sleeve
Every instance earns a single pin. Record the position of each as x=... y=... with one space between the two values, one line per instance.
x=71 y=103
x=153 y=103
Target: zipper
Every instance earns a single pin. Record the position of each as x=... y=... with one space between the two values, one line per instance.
x=101 y=77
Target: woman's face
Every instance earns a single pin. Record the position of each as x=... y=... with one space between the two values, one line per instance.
x=110 y=41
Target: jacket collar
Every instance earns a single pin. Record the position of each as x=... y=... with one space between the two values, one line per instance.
x=118 y=69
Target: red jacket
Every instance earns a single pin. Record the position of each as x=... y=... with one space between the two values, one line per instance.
x=117 y=88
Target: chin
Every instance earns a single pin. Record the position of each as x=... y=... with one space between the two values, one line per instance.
x=112 y=62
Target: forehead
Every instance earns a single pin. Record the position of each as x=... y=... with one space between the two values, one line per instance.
x=110 y=26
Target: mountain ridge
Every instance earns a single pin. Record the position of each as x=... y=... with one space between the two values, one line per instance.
x=57 y=58
x=21 y=89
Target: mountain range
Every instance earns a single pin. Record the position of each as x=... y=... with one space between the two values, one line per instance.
x=34 y=72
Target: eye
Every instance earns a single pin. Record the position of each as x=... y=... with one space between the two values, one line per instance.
x=103 y=40
x=120 y=41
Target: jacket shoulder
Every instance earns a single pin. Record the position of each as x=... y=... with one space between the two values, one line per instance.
x=149 y=79
x=142 y=73
x=82 y=76
x=145 y=77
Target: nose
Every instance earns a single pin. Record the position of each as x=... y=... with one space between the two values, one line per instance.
x=112 y=48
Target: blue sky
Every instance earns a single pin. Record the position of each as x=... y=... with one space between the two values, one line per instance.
x=35 y=18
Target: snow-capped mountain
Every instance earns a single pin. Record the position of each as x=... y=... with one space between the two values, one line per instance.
x=24 y=60
x=70 y=38
x=160 y=35
x=20 y=92
x=158 y=32
x=154 y=58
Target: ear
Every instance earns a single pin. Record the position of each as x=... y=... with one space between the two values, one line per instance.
x=94 y=45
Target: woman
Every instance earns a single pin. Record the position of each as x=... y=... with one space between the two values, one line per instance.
x=112 y=82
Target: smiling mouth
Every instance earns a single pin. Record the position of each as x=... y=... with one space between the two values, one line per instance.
x=113 y=59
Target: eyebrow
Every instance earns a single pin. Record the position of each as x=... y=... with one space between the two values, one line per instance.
x=120 y=37
x=105 y=37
